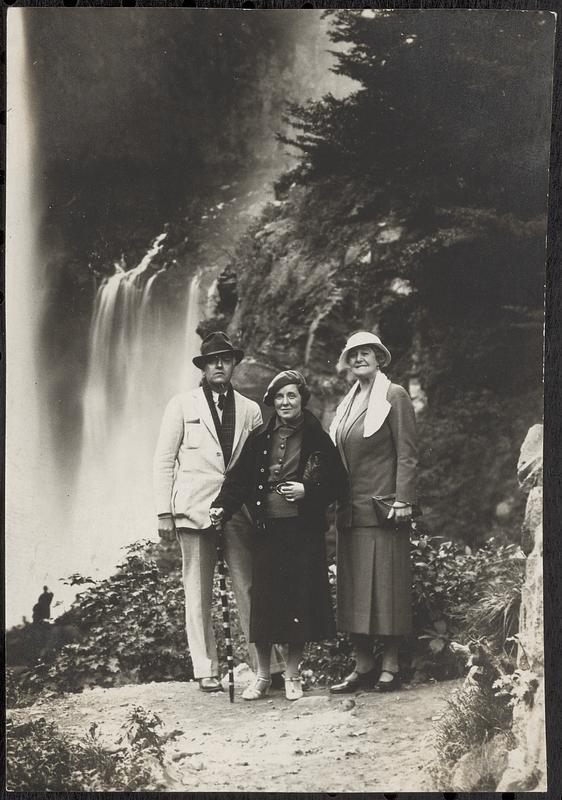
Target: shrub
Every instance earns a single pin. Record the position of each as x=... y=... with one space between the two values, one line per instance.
x=465 y=594
x=133 y=628
x=476 y=714
x=41 y=758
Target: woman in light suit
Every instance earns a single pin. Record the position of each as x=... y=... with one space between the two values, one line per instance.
x=374 y=429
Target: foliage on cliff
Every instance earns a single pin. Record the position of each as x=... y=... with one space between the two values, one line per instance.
x=411 y=215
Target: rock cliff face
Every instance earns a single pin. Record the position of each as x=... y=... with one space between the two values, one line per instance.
x=526 y=766
x=321 y=262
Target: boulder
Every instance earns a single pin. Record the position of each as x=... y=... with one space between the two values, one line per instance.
x=480 y=769
x=243 y=676
x=532 y=523
x=526 y=764
x=529 y=466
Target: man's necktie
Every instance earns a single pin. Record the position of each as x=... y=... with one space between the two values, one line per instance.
x=221 y=401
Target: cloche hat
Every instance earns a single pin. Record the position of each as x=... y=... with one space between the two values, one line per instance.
x=361 y=339
x=217 y=344
x=284 y=379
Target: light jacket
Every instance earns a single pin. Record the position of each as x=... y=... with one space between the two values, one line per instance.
x=189 y=467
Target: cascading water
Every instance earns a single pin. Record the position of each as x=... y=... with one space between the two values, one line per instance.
x=191 y=373
x=136 y=363
x=62 y=519
x=31 y=479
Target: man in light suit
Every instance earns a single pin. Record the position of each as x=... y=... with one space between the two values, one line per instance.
x=201 y=437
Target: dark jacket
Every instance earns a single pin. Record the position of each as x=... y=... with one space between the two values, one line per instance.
x=384 y=464
x=320 y=469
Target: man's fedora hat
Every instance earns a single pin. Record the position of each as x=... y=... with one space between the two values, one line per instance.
x=217 y=344
x=363 y=339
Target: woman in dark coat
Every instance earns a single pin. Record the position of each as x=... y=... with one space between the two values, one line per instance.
x=288 y=473
x=374 y=429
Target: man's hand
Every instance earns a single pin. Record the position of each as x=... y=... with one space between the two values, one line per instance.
x=292 y=491
x=166 y=528
x=217 y=516
x=402 y=512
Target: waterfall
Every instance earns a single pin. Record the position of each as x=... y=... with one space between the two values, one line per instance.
x=30 y=475
x=136 y=363
x=191 y=373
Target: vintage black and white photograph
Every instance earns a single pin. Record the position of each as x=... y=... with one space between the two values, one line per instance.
x=274 y=445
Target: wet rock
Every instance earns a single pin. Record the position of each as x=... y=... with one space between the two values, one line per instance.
x=357 y=251
x=390 y=234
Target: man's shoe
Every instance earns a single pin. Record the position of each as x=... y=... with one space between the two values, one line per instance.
x=356 y=681
x=210 y=685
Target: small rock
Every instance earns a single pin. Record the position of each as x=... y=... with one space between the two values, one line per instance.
x=313 y=701
x=347 y=704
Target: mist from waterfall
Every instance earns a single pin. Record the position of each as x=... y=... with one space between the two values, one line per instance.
x=137 y=361
x=32 y=485
x=90 y=370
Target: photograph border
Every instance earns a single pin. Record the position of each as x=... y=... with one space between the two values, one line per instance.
x=552 y=365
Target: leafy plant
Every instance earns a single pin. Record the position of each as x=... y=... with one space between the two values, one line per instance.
x=41 y=758
x=132 y=626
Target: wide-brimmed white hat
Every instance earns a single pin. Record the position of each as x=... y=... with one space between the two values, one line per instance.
x=360 y=339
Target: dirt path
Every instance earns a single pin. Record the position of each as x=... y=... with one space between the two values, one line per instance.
x=324 y=743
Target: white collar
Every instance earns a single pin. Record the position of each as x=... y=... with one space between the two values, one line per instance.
x=377 y=409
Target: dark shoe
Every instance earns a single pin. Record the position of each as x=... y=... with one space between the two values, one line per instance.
x=388 y=686
x=277 y=681
x=210 y=685
x=356 y=681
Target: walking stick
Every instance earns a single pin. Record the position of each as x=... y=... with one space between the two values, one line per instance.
x=225 y=612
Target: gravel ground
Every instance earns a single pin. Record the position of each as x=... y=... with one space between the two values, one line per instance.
x=322 y=743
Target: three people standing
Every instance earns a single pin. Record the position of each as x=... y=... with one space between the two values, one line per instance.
x=215 y=459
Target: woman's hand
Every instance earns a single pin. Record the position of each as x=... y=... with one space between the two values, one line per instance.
x=292 y=491
x=216 y=515
x=401 y=512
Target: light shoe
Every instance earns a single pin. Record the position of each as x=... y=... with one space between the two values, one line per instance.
x=293 y=688
x=210 y=684
x=258 y=690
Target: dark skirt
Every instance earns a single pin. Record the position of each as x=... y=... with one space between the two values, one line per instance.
x=374 y=581
x=290 y=590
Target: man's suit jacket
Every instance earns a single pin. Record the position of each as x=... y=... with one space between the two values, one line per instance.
x=189 y=466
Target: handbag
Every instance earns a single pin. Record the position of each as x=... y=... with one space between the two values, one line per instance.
x=314 y=471
x=382 y=508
